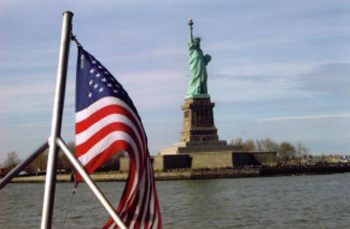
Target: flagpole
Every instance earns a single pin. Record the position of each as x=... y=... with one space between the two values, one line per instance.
x=50 y=182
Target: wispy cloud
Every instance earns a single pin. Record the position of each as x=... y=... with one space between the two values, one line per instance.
x=247 y=89
x=308 y=117
x=147 y=54
x=331 y=78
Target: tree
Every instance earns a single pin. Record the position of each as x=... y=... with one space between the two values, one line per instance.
x=11 y=161
x=301 y=150
x=267 y=145
x=249 y=145
x=39 y=164
x=286 y=151
x=240 y=145
x=62 y=162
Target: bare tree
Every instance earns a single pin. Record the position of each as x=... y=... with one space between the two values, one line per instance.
x=11 y=161
x=39 y=164
x=249 y=145
x=241 y=145
x=63 y=163
x=286 y=151
x=301 y=150
x=267 y=145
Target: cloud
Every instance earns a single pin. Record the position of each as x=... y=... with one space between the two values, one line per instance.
x=248 y=88
x=155 y=89
x=333 y=78
x=309 y=117
x=154 y=53
x=287 y=69
x=24 y=98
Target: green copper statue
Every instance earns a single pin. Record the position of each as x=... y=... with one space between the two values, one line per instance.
x=198 y=62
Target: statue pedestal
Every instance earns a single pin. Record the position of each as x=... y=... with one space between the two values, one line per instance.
x=199 y=134
x=198 y=122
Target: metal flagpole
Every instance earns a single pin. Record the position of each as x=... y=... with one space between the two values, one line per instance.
x=4 y=181
x=79 y=167
x=50 y=182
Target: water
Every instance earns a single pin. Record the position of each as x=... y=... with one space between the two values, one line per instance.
x=321 y=201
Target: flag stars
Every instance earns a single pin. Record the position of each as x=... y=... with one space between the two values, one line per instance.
x=101 y=83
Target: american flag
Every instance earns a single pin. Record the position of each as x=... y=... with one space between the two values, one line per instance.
x=107 y=123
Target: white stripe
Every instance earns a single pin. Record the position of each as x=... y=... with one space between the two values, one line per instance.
x=112 y=118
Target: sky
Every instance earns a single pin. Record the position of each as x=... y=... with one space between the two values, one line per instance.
x=280 y=69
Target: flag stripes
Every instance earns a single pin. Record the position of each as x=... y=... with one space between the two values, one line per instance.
x=107 y=122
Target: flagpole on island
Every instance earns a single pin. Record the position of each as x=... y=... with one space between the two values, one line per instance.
x=50 y=181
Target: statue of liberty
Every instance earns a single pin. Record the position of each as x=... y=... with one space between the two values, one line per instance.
x=198 y=62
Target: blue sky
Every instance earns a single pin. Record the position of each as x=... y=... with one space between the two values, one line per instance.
x=279 y=69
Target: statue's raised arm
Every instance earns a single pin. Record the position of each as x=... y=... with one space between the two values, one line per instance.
x=190 y=23
x=198 y=62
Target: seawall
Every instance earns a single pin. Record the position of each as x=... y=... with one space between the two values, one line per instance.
x=204 y=173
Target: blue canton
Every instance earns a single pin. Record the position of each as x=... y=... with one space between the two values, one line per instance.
x=94 y=82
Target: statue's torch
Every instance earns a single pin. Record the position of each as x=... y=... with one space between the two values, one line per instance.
x=190 y=23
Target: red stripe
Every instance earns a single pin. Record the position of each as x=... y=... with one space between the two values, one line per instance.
x=115 y=148
x=102 y=133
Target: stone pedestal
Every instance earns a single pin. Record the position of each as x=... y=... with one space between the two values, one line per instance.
x=198 y=122
x=199 y=134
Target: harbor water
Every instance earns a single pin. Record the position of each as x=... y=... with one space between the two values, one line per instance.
x=318 y=201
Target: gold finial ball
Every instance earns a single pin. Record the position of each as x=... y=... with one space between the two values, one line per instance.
x=190 y=22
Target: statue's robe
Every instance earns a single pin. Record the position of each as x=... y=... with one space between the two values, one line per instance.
x=199 y=76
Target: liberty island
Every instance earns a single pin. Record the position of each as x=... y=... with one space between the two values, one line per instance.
x=200 y=146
